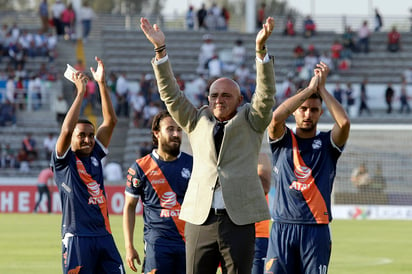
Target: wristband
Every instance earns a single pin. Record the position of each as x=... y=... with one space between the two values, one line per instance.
x=160 y=49
x=261 y=51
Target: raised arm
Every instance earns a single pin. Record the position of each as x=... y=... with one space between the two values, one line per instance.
x=105 y=130
x=264 y=98
x=276 y=127
x=181 y=109
x=341 y=128
x=262 y=37
x=156 y=36
x=72 y=116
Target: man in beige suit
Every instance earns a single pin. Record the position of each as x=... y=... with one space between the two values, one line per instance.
x=224 y=197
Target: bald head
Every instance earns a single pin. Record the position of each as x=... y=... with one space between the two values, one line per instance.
x=224 y=98
x=225 y=83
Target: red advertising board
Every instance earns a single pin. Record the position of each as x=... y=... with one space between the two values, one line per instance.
x=22 y=198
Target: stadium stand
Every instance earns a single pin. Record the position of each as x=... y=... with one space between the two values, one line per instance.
x=380 y=66
x=123 y=46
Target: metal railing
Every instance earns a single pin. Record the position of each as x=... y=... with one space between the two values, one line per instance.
x=42 y=99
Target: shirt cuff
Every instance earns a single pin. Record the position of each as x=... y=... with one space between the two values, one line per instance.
x=265 y=59
x=161 y=60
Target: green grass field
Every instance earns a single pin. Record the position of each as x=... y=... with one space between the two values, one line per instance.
x=30 y=243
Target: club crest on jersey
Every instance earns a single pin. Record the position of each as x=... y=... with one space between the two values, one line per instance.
x=317 y=144
x=94 y=161
x=185 y=173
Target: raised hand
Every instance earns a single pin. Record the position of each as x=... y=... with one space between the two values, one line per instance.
x=80 y=80
x=322 y=70
x=265 y=32
x=153 y=33
x=314 y=83
x=98 y=74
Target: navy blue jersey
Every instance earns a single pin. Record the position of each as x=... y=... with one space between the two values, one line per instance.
x=81 y=202
x=161 y=186
x=293 y=203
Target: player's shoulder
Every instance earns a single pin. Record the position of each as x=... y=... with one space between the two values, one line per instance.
x=138 y=164
x=325 y=136
x=186 y=155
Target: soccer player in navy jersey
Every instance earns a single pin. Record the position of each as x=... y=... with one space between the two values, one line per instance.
x=304 y=166
x=88 y=245
x=160 y=179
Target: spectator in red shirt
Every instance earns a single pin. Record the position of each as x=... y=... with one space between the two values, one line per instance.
x=68 y=20
x=309 y=27
x=336 y=50
x=289 y=27
x=29 y=147
x=299 y=54
x=260 y=16
x=394 y=40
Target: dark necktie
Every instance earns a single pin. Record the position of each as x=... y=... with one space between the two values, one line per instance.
x=218 y=135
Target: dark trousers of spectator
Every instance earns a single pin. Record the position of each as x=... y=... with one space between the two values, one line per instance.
x=43 y=190
x=122 y=106
x=363 y=106
x=404 y=105
x=363 y=45
x=60 y=117
x=87 y=25
x=393 y=47
x=389 y=108
x=59 y=26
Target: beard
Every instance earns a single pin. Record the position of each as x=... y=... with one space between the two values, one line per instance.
x=172 y=148
x=307 y=127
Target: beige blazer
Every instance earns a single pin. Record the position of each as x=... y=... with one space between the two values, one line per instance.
x=236 y=166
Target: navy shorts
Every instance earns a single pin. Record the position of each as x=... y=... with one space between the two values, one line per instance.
x=165 y=259
x=298 y=248
x=89 y=255
x=261 y=247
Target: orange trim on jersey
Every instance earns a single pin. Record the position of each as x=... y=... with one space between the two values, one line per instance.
x=305 y=183
x=96 y=194
x=170 y=205
x=262 y=228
